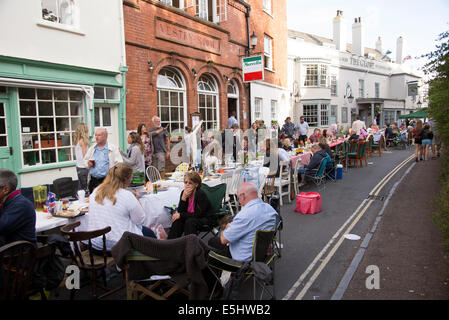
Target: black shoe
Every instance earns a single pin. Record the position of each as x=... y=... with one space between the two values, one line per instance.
x=416 y=159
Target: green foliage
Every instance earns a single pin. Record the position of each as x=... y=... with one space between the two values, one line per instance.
x=438 y=69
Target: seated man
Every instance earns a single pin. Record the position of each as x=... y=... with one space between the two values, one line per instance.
x=17 y=214
x=236 y=241
x=315 y=161
x=352 y=134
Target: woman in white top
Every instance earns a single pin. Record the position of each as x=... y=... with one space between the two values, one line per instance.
x=111 y=204
x=135 y=157
x=81 y=146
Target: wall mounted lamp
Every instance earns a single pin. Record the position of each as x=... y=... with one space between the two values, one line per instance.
x=150 y=65
x=194 y=72
x=253 y=40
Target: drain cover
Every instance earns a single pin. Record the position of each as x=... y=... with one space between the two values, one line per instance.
x=373 y=197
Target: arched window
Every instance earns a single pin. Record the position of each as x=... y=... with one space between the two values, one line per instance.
x=171 y=98
x=208 y=101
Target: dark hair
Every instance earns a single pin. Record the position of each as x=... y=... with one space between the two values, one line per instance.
x=188 y=129
x=139 y=129
x=135 y=138
x=194 y=177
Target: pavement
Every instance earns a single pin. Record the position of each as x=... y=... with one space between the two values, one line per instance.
x=407 y=246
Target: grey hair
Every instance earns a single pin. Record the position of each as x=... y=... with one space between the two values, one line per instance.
x=102 y=129
x=154 y=117
x=8 y=179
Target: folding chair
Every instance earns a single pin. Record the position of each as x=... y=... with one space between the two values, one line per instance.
x=318 y=175
x=153 y=174
x=226 y=178
x=263 y=252
x=216 y=195
x=233 y=188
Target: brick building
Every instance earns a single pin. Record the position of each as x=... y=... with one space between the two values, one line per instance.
x=185 y=57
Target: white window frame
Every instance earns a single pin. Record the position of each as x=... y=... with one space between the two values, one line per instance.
x=310 y=113
x=274 y=110
x=322 y=77
x=258 y=107
x=71 y=19
x=218 y=7
x=376 y=90
x=267 y=6
x=80 y=117
x=324 y=115
x=334 y=85
x=211 y=95
x=4 y=120
x=268 y=52
x=361 y=88
x=311 y=79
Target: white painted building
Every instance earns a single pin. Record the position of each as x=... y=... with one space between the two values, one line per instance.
x=331 y=80
x=62 y=62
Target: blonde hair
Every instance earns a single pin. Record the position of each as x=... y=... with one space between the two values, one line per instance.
x=82 y=133
x=115 y=180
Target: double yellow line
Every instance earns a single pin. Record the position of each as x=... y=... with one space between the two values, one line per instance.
x=360 y=211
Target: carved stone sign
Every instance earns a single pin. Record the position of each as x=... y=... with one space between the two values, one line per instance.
x=176 y=33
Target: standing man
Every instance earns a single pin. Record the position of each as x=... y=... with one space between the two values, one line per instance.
x=100 y=158
x=161 y=146
x=17 y=214
x=302 y=127
x=288 y=128
x=232 y=119
x=358 y=125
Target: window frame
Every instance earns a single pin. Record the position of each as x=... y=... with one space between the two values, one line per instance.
x=274 y=103
x=74 y=13
x=268 y=55
x=376 y=90
x=361 y=88
x=209 y=95
x=218 y=8
x=258 y=104
x=334 y=85
x=267 y=6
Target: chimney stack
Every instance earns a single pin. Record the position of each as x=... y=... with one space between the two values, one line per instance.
x=357 y=37
x=379 y=45
x=399 y=49
x=340 y=31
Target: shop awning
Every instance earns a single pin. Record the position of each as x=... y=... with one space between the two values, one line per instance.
x=420 y=114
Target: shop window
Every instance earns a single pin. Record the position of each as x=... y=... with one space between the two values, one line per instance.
x=48 y=119
x=61 y=11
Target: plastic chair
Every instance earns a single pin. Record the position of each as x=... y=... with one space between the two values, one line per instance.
x=153 y=174
x=86 y=259
x=283 y=180
x=263 y=252
x=17 y=261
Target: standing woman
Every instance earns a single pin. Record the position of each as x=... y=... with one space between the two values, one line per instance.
x=146 y=141
x=427 y=136
x=417 y=135
x=81 y=146
x=135 y=157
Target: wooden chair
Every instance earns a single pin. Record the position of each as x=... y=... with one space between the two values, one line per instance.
x=153 y=174
x=358 y=155
x=268 y=189
x=17 y=261
x=295 y=176
x=378 y=146
x=86 y=259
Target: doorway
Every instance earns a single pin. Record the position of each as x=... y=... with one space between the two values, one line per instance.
x=106 y=116
x=6 y=150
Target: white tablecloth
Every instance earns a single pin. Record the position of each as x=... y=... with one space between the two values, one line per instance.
x=45 y=221
x=153 y=205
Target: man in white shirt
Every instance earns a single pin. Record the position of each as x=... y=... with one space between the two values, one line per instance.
x=302 y=127
x=358 y=125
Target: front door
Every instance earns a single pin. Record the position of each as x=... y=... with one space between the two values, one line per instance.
x=106 y=116
x=6 y=150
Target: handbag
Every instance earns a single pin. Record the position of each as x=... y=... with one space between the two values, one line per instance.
x=308 y=203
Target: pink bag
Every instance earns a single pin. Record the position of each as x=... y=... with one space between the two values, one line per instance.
x=308 y=202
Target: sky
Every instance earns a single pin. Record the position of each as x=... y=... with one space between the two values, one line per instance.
x=418 y=22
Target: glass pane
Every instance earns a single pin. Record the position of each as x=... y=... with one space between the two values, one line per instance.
x=202 y=101
x=30 y=141
x=174 y=98
x=98 y=93
x=203 y=114
x=48 y=140
x=28 y=124
x=174 y=114
x=61 y=95
x=27 y=108
x=27 y=93
x=181 y=99
x=62 y=124
x=48 y=156
x=76 y=96
x=76 y=108
x=2 y=126
x=46 y=124
x=63 y=139
x=2 y=110
x=3 y=142
x=31 y=158
x=112 y=93
x=174 y=126
x=165 y=114
x=97 y=117
x=209 y=114
x=45 y=108
x=209 y=101
x=106 y=117
x=44 y=94
x=75 y=122
x=64 y=155
x=181 y=115
x=164 y=98
x=62 y=108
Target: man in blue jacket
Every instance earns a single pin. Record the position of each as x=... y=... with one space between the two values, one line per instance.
x=315 y=161
x=17 y=214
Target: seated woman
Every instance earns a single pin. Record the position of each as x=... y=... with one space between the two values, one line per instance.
x=135 y=157
x=325 y=134
x=286 y=145
x=315 y=136
x=111 y=204
x=323 y=144
x=194 y=208
x=352 y=134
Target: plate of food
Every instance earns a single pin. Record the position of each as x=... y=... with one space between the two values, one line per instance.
x=72 y=212
x=162 y=188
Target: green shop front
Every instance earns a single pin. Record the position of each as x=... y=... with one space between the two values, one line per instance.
x=40 y=106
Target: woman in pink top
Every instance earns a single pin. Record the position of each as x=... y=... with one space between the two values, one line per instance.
x=194 y=208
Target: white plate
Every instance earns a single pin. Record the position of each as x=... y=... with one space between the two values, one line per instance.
x=352 y=236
